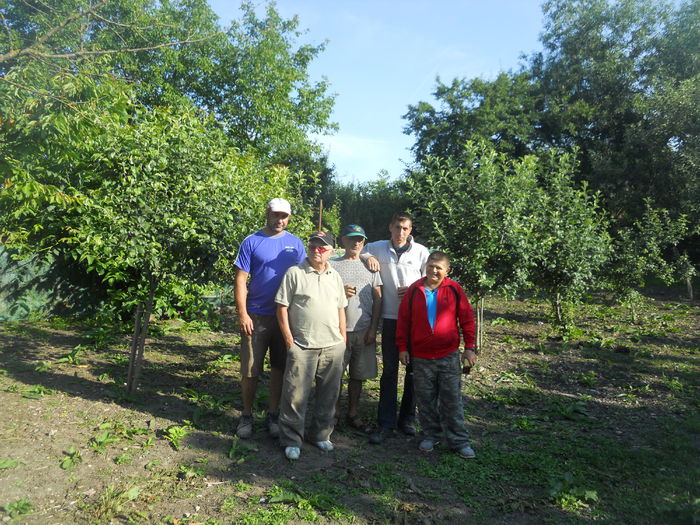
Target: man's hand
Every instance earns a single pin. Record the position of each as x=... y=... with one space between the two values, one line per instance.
x=401 y=290
x=370 y=336
x=403 y=357
x=372 y=264
x=350 y=291
x=469 y=357
x=246 y=324
x=289 y=341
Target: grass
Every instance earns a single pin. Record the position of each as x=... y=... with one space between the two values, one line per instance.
x=596 y=423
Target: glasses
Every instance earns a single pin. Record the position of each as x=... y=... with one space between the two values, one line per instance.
x=319 y=248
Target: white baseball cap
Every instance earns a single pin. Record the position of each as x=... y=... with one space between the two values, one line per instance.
x=280 y=205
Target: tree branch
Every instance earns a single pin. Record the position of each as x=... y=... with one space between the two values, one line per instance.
x=101 y=52
x=7 y=30
x=52 y=31
x=35 y=8
x=41 y=93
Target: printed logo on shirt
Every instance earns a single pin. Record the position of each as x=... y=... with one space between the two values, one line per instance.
x=289 y=249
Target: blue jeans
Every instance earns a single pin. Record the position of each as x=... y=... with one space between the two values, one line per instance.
x=386 y=411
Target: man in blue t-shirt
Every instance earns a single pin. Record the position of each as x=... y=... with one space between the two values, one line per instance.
x=264 y=256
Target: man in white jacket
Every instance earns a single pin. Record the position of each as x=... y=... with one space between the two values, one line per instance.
x=401 y=261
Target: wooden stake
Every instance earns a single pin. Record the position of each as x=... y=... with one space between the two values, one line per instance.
x=320 y=215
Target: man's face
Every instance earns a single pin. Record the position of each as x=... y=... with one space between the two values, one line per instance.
x=435 y=271
x=319 y=252
x=400 y=230
x=277 y=221
x=353 y=244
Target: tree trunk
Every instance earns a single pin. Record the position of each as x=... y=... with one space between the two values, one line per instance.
x=689 y=284
x=480 y=324
x=558 y=310
x=138 y=344
x=688 y=275
x=134 y=348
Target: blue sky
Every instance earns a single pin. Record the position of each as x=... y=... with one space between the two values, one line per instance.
x=383 y=55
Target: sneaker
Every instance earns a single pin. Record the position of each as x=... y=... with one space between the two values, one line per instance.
x=408 y=428
x=426 y=445
x=292 y=452
x=326 y=446
x=467 y=452
x=245 y=427
x=379 y=435
x=273 y=426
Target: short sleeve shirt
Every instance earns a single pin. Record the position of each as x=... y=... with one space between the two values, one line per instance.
x=266 y=259
x=313 y=300
x=354 y=272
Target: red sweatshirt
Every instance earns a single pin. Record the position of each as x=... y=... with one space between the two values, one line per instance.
x=413 y=328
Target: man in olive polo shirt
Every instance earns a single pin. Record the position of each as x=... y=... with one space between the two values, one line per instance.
x=311 y=313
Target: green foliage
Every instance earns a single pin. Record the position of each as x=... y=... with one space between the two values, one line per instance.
x=570 y=241
x=8 y=464
x=123 y=459
x=614 y=78
x=73 y=357
x=508 y=224
x=616 y=81
x=253 y=75
x=37 y=392
x=80 y=147
x=639 y=254
x=502 y=112
x=71 y=458
x=569 y=496
x=18 y=508
x=176 y=433
x=240 y=451
x=100 y=442
x=193 y=470
x=369 y=204
x=111 y=502
x=479 y=210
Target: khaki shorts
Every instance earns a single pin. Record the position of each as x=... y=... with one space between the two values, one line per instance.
x=266 y=334
x=362 y=358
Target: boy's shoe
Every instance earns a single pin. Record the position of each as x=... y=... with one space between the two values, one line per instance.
x=245 y=427
x=467 y=452
x=356 y=423
x=379 y=435
x=408 y=428
x=292 y=452
x=273 y=425
x=426 y=445
x=326 y=446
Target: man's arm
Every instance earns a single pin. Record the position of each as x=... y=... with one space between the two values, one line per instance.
x=241 y=295
x=370 y=260
x=342 y=324
x=283 y=321
x=403 y=330
x=371 y=335
x=465 y=316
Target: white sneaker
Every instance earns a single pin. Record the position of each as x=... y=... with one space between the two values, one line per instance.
x=292 y=452
x=326 y=446
x=467 y=452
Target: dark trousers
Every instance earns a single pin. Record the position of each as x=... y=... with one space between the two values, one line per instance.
x=386 y=411
x=439 y=396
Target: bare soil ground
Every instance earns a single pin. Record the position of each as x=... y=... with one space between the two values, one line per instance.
x=597 y=423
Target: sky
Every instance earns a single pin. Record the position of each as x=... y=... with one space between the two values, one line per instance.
x=383 y=55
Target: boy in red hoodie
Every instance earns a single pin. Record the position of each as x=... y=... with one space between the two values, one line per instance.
x=431 y=314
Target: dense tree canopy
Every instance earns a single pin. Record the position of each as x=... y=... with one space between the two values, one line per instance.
x=253 y=76
x=618 y=81
x=109 y=139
